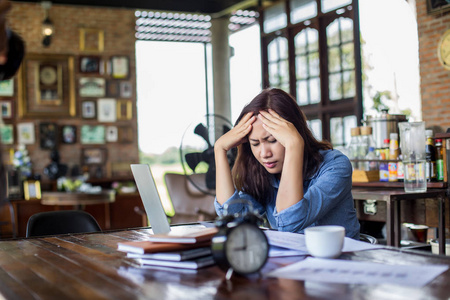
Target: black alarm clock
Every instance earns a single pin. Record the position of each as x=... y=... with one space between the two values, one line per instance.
x=240 y=246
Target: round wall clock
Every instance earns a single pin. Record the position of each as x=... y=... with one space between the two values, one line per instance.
x=444 y=50
x=48 y=75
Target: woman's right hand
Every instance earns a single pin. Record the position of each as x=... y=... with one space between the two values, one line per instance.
x=237 y=135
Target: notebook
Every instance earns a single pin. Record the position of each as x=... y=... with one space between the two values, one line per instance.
x=152 y=202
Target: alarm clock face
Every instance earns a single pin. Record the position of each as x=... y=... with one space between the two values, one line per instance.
x=246 y=248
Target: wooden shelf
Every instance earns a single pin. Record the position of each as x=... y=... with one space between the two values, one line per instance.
x=382 y=184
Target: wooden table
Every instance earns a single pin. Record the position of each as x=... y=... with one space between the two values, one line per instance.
x=80 y=200
x=393 y=199
x=87 y=266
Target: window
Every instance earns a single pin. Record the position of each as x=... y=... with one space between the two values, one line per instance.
x=316 y=58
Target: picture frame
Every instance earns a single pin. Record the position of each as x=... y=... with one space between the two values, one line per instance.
x=126 y=135
x=93 y=156
x=90 y=64
x=92 y=134
x=32 y=189
x=106 y=110
x=68 y=134
x=46 y=86
x=7 y=87
x=25 y=133
x=88 y=109
x=6 y=107
x=48 y=135
x=124 y=109
x=92 y=87
x=120 y=67
x=6 y=134
x=113 y=88
x=126 y=89
x=92 y=40
x=112 y=134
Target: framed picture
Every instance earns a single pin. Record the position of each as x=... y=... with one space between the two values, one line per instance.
x=92 y=40
x=69 y=134
x=32 y=189
x=48 y=135
x=46 y=86
x=92 y=134
x=106 y=110
x=125 y=134
x=112 y=134
x=88 y=109
x=113 y=88
x=125 y=89
x=7 y=87
x=124 y=109
x=90 y=64
x=6 y=109
x=92 y=87
x=25 y=133
x=119 y=67
x=7 y=134
x=93 y=156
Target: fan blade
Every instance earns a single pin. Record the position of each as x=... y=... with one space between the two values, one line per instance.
x=193 y=159
x=202 y=131
x=210 y=176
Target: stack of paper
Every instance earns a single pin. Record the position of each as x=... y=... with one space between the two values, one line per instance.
x=188 y=250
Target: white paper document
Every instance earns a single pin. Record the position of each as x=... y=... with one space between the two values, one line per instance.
x=275 y=251
x=358 y=272
x=296 y=241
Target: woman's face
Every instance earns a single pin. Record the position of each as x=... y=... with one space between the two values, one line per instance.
x=266 y=149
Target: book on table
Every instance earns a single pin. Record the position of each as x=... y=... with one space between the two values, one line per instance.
x=195 y=263
x=192 y=236
x=142 y=247
x=174 y=255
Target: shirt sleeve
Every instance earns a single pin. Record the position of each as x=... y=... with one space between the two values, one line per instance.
x=232 y=205
x=331 y=185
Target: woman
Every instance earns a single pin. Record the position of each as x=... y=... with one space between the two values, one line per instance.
x=297 y=181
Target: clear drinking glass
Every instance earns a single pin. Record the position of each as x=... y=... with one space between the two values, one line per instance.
x=412 y=141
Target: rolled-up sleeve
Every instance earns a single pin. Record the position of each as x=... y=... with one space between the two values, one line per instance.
x=326 y=191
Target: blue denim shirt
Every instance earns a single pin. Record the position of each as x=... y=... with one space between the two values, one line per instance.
x=327 y=200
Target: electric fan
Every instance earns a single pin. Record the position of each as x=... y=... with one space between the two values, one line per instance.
x=197 y=151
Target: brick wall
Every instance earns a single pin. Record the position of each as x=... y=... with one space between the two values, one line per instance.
x=118 y=26
x=435 y=80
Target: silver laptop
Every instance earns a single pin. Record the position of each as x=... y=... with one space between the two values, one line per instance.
x=152 y=202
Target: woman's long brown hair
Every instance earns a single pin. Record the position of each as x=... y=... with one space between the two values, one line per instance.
x=248 y=174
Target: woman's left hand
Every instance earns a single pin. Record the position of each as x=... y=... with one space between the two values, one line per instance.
x=283 y=131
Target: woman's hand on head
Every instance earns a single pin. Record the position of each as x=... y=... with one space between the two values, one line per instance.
x=282 y=130
x=237 y=135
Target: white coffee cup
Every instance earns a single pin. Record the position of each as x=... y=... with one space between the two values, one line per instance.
x=325 y=241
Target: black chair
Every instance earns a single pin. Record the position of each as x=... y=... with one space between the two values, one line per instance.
x=61 y=222
x=367 y=238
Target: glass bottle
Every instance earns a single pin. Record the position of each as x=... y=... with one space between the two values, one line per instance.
x=439 y=160
x=393 y=155
x=371 y=163
x=367 y=141
x=353 y=146
x=400 y=168
x=430 y=156
x=384 y=155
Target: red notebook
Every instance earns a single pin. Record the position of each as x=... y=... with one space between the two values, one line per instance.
x=142 y=247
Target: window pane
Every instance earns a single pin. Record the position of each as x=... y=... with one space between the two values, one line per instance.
x=301 y=67
x=314 y=68
x=284 y=71
x=302 y=92
x=272 y=51
x=285 y=87
x=313 y=39
x=348 y=59
x=335 y=86
x=333 y=33
x=337 y=131
x=314 y=90
x=302 y=10
x=283 y=44
x=316 y=128
x=275 y=18
x=334 y=60
x=273 y=74
x=346 y=29
x=300 y=42
x=329 y=5
x=349 y=84
x=349 y=122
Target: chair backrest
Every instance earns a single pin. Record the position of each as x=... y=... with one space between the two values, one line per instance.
x=61 y=222
x=367 y=238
